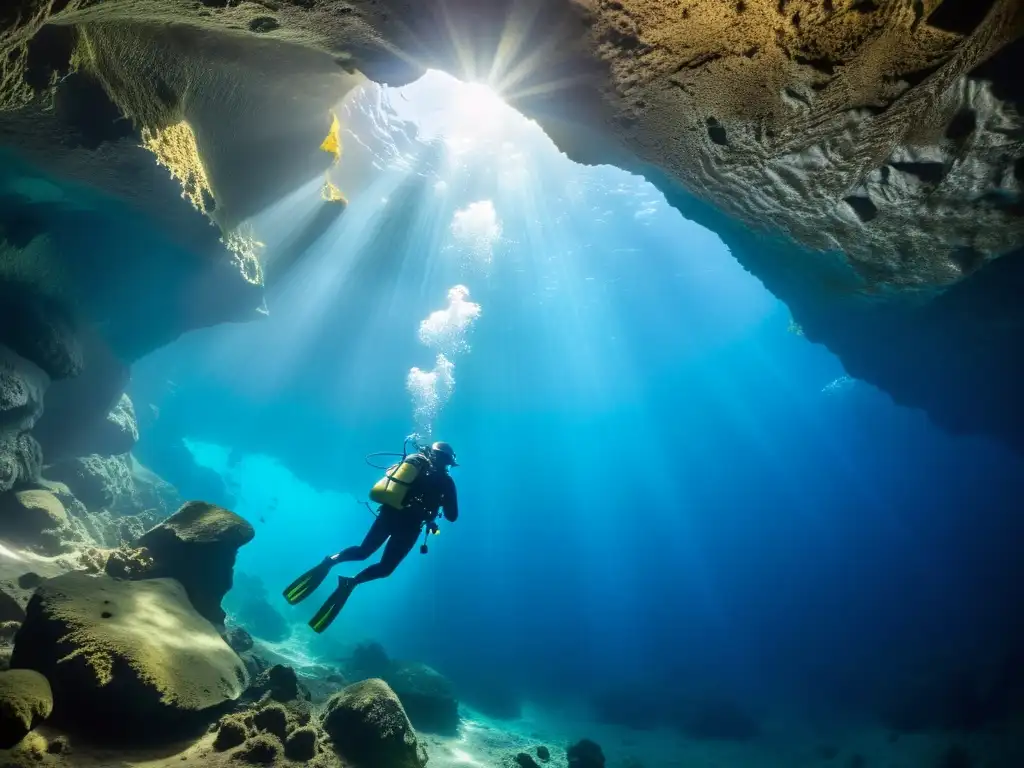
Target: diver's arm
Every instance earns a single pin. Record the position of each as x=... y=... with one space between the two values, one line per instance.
x=451 y=502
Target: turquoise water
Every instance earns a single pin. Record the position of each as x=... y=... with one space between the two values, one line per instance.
x=666 y=493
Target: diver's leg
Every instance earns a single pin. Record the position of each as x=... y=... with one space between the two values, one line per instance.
x=375 y=537
x=402 y=540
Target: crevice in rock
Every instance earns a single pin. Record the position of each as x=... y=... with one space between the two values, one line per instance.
x=914 y=77
x=863 y=207
x=864 y=6
x=926 y=173
x=962 y=125
x=49 y=56
x=960 y=16
x=82 y=104
x=1003 y=71
x=822 y=64
x=263 y=24
x=716 y=132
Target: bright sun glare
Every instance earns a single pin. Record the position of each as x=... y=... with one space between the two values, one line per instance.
x=463 y=113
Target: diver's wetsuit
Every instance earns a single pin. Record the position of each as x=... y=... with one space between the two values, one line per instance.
x=434 y=489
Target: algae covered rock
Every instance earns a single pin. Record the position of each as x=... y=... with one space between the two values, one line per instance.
x=10 y=608
x=99 y=482
x=272 y=719
x=301 y=744
x=121 y=429
x=197 y=546
x=126 y=659
x=25 y=701
x=261 y=749
x=232 y=731
x=368 y=727
x=35 y=519
x=279 y=683
x=239 y=640
x=427 y=696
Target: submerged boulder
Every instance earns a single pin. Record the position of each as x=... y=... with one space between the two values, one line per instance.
x=369 y=728
x=427 y=696
x=239 y=639
x=126 y=659
x=10 y=608
x=197 y=546
x=279 y=683
x=35 y=519
x=25 y=701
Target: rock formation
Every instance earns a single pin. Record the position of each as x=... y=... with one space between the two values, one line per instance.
x=36 y=519
x=427 y=697
x=99 y=482
x=126 y=659
x=368 y=727
x=22 y=384
x=197 y=546
x=25 y=701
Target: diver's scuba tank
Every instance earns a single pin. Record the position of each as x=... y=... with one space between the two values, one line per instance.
x=392 y=489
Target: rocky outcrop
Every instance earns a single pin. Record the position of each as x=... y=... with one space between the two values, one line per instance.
x=278 y=724
x=99 y=482
x=22 y=386
x=25 y=701
x=35 y=519
x=368 y=727
x=126 y=659
x=427 y=697
x=279 y=683
x=239 y=639
x=152 y=492
x=197 y=546
x=10 y=608
x=112 y=435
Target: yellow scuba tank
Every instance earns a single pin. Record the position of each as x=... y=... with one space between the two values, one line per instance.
x=391 y=489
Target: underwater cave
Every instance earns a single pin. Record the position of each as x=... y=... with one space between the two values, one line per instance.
x=692 y=330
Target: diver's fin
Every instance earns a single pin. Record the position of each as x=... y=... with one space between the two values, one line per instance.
x=329 y=611
x=307 y=583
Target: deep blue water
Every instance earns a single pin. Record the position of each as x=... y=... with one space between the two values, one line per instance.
x=655 y=489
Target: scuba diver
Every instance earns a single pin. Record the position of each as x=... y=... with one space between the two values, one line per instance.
x=410 y=495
